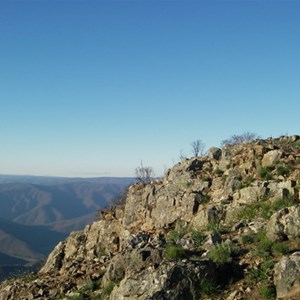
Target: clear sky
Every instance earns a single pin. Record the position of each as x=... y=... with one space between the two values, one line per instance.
x=91 y=88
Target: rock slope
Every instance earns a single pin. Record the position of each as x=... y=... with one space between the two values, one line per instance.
x=223 y=226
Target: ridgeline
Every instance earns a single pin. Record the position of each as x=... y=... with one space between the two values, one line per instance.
x=221 y=226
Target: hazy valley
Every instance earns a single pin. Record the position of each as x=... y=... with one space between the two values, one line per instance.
x=38 y=212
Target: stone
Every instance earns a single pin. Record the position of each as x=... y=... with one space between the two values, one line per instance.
x=206 y=216
x=214 y=153
x=286 y=277
x=223 y=164
x=284 y=224
x=251 y=194
x=168 y=281
x=294 y=138
x=281 y=189
x=55 y=259
x=270 y=157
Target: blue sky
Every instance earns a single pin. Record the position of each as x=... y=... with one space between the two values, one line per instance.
x=91 y=88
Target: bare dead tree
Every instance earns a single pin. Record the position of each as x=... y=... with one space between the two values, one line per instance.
x=144 y=174
x=243 y=138
x=198 y=148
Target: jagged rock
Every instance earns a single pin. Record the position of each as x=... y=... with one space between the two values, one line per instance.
x=251 y=194
x=246 y=167
x=286 y=277
x=257 y=225
x=281 y=189
x=214 y=153
x=270 y=157
x=150 y=208
x=210 y=215
x=284 y=224
x=55 y=258
x=232 y=182
x=258 y=150
x=169 y=281
x=223 y=164
x=294 y=138
x=98 y=237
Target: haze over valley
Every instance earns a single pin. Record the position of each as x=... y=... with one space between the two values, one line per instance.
x=38 y=212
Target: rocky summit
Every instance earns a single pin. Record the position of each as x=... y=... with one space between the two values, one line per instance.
x=221 y=226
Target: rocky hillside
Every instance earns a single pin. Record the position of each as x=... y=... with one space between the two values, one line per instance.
x=223 y=226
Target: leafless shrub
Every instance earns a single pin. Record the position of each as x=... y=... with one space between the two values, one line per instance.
x=144 y=174
x=243 y=138
x=198 y=148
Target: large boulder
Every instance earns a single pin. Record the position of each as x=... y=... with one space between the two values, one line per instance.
x=270 y=157
x=284 y=224
x=287 y=277
x=170 y=280
x=251 y=194
x=281 y=189
x=209 y=215
x=214 y=153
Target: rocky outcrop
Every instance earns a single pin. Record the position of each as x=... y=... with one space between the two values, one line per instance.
x=170 y=281
x=208 y=228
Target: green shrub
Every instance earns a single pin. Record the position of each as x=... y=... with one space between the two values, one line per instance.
x=266 y=210
x=256 y=275
x=221 y=253
x=265 y=172
x=264 y=245
x=108 y=289
x=204 y=198
x=249 y=180
x=283 y=202
x=175 y=235
x=280 y=248
x=248 y=238
x=208 y=288
x=283 y=170
x=267 y=291
x=239 y=186
x=59 y=296
x=189 y=184
x=265 y=248
x=262 y=273
x=90 y=285
x=76 y=297
x=217 y=229
x=101 y=252
x=218 y=172
x=174 y=252
x=198 y=238
x=248 y=212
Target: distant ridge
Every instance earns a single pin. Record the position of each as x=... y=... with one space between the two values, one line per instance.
x=53 y=180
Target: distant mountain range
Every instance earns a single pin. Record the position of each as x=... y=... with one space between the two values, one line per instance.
x=37 y=212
